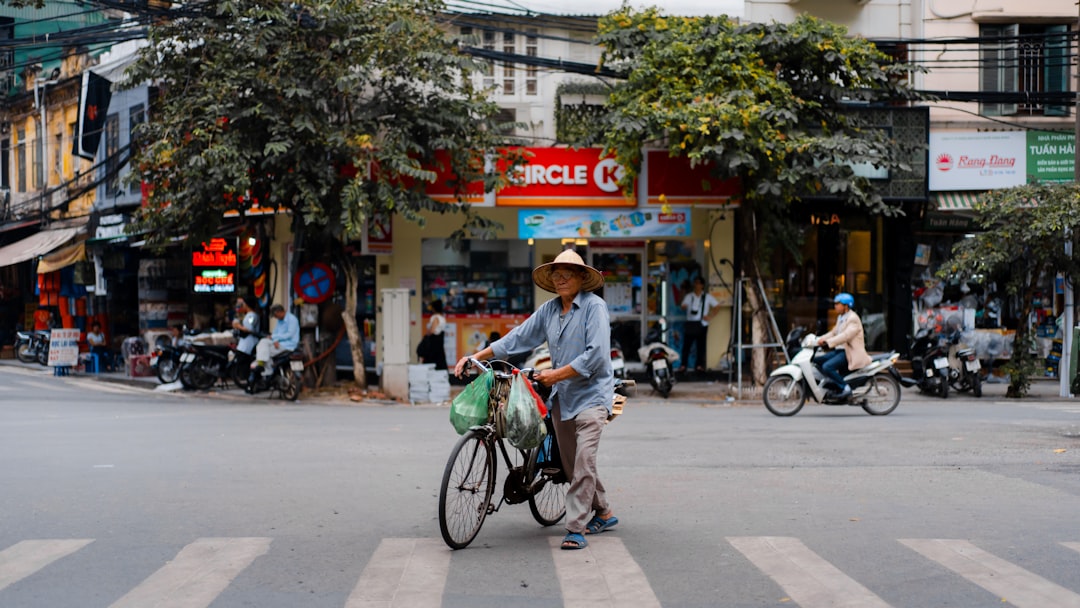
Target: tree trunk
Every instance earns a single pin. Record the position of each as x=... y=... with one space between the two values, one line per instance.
x=759 y=318
x=348 y=315
x=1021 y=363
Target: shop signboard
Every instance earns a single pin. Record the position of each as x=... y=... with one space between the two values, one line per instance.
x=213 y=266
x=564 y=177
x=378 y=235
x=970 y=160
x=443 y=188
x=1051 y=156
x=603 y=223
x=675 y=181
x=64 y=347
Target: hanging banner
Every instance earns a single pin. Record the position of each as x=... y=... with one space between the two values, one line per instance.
x=602 y=223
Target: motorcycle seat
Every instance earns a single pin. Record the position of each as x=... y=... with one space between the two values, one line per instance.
x=293 y=355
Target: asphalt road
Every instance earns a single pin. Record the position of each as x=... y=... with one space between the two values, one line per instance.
x=117 y=496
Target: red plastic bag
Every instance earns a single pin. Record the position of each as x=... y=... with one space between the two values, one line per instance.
x=540 y=405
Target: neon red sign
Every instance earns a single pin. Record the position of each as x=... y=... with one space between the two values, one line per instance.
x=216 y=253
x=214 y=267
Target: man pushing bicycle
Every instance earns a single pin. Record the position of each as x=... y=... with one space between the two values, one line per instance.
x=577 y=329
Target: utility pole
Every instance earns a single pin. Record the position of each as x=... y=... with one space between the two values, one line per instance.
x=1065 y=366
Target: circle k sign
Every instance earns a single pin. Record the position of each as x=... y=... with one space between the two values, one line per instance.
x=563 y=177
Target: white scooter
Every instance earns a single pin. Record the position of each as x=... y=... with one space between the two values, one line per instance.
x=618 y=362
x=659 y=360
x=874 y=387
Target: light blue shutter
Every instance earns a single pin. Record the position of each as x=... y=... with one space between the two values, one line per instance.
x=1056 y=67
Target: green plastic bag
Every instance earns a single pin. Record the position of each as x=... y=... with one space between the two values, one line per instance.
x=524 y=426
x=470 y=407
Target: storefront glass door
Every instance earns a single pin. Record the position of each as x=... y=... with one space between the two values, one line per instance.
x=624 y=269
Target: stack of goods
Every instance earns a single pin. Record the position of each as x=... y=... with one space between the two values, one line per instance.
x=439 y=383
x=419 y=389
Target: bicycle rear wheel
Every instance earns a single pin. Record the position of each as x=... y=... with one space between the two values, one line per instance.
x=467 y=485
x=548 y=504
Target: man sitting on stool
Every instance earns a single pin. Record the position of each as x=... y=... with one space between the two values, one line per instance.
x=285 y=337
x=849 y=344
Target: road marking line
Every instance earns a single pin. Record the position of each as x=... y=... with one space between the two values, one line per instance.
x=403 y=572
x=1010 y=582
x=808 y=579
x=603 y=574
x=1073 y=546
x=197 y=575
x=27 y=557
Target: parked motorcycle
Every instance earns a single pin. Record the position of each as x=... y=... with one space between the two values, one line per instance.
x=875 y=387
x=205 y=364
x=165 y=360
x=33 y=346
x=964 y=367
x=929 y=364
x=284 y=377
x=659 y=360
x=618 y=361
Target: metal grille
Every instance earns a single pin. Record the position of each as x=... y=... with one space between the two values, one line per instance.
x=1031 y=54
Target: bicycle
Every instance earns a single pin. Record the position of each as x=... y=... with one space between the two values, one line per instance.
x=468 y=483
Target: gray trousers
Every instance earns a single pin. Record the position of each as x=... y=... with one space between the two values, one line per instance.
x=579 y=440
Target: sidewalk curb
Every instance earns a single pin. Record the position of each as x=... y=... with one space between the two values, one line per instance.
x=704 y=393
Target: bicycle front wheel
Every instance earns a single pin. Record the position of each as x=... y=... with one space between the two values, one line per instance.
x=548 y=503
x=467 y=485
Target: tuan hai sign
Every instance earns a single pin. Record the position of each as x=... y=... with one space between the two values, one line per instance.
x=213 y=268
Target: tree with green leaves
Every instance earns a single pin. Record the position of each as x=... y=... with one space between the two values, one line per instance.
x=333 y=110
x=768 y=104
x=1029 y=235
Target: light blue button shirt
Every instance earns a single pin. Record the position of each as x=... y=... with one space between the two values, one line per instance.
x=287 y=332
x=582 y=340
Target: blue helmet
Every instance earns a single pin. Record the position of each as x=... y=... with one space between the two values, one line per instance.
x=845 y=298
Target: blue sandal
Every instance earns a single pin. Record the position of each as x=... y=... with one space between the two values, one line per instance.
x=573 y=540
x=599 y=524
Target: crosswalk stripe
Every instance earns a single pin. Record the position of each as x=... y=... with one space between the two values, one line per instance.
x=808 y=579
x=27 y=557
x=197 y=575
x=403 y=572
x=602 y=575
x=1012 y=583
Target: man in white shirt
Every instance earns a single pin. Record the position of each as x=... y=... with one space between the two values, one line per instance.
x=700 y=307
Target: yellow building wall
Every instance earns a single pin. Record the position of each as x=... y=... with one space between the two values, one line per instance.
x=404 y=267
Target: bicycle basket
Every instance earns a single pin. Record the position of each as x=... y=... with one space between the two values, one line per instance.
x=470 y=407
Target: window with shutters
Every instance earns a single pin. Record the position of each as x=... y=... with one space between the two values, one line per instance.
x=1021 y=63
x=489 y=67
x=506 y=78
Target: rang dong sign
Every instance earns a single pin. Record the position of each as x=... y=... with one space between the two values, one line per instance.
x=971 y=160
x=213 y=268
